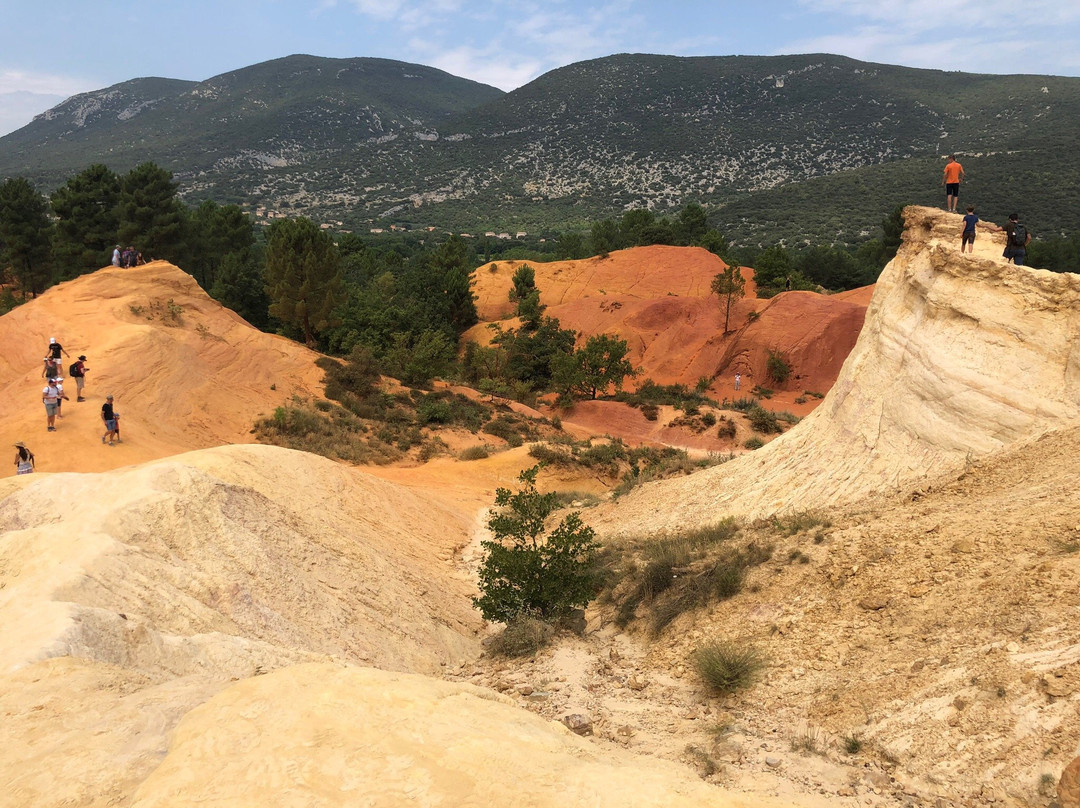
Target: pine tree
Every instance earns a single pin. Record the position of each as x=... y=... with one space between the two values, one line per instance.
x=303 y=276
x=151 y=217
x=730 y=286
x=25 y=235
x=215 y=232
x=87 y=221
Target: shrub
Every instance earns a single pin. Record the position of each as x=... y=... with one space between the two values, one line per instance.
x=762 y=392
x=708 y=419
x=753 y=442
x=777 y=367
x=432 y=447
x=763 y=421
x=727 y=429
x=650 y=411
x=527 y=570
x=474 y=453
x=853 y=744
x=522 y=637
x=743 y=404
x=813 y=394
x=728 y=666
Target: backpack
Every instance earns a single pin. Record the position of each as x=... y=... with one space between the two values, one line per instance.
x=1019 y=236
x=74 y=370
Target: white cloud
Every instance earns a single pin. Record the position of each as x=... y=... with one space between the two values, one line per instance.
x=19 y=108
x=13 y=81
x=969 y=35
x=505 y=71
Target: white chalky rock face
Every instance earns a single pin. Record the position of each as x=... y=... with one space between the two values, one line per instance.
x=332 y=736
x=960 y=356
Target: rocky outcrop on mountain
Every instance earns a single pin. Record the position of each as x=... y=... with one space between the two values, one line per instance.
x=961 y=355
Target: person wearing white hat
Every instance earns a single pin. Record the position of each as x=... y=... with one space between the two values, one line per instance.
x=24 y=459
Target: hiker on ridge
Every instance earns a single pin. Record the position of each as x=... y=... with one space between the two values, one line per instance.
x=50 y=397
x=109 y=418
x=1017 y=238
x=77 y=371
x=967 y=235
x=116 y=256
x=951 y=179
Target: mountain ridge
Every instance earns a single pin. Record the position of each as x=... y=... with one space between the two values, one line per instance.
x=361 y=141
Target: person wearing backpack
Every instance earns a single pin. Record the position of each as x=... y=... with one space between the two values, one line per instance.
x=77 y=371
x=1017 y=238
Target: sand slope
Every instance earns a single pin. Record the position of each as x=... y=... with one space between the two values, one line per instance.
x=138 y=593
x=367 y=737
x=193 y=382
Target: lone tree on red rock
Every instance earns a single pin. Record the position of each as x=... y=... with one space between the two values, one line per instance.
x=730 y=286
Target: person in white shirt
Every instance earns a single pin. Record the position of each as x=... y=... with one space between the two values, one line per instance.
x=50 y=397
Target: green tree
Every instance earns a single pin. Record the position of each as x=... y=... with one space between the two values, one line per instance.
x=604 y=237
x=303 y=276
x=214 y=232
x=25 y=235
x=151 y=217
x=527 y=296
x=730 y=286
x=528 y=571
x=531 y=355
x=598 y=364
x=771 y=270
x=692 y=225
x=87 y=221
x=416 y=359
x=241 y=286
x=571 y=246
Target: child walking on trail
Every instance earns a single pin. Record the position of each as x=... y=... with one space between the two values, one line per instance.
x=967 y=236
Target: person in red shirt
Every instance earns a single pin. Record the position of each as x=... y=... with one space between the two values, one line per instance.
x=951 y=179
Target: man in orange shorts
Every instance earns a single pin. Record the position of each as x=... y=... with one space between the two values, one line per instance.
x=954 y=173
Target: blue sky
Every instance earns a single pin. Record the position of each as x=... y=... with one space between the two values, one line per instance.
x=55 y=48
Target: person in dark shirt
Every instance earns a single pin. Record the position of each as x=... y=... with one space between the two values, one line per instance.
x=1015 y=243
x=967 y=235
x=109 y=418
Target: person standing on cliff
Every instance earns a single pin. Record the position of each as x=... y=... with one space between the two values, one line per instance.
x=951 y=179
x=1017 y=238
x=967 y=235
